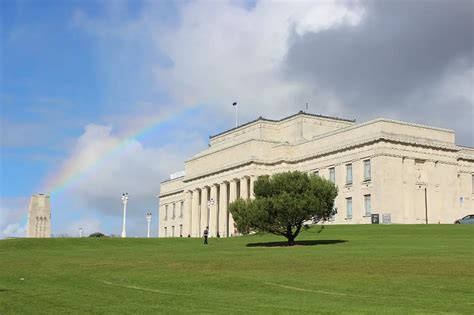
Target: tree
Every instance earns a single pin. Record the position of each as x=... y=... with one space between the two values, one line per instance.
x=283 y=202
x=97 y=234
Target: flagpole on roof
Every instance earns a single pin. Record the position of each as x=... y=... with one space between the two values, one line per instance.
x=235 y=106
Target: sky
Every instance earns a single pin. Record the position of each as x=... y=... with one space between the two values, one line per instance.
x=98 y=98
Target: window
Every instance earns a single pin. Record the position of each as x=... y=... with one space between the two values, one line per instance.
x=180 y=230
x=174 y=211
x=181 y=209
x=367 y=205
x=332 y=174
x=349 y=174
x=317 y=173
x=166 y=231
x=349 y=208
x=166 y=212
x=367 y=172
x=172 y=231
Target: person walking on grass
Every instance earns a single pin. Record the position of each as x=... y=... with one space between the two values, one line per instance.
x=206 y=234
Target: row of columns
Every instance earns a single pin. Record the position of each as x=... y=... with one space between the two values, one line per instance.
x=208 y=206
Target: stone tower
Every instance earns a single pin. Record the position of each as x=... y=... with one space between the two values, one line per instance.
x=39 y=217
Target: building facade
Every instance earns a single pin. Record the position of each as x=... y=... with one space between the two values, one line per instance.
x=39 y=216
x=406 y=173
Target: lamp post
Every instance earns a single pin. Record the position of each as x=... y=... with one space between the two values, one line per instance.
x=148 y=219
x=124 y=201
x=80 y=232
x=210 y=203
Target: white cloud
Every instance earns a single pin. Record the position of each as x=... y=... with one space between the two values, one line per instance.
x=13 y=216
x=219 y=52
x=223 y=53
x=14 y=230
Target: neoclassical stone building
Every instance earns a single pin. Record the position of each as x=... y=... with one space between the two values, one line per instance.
x=406 y=173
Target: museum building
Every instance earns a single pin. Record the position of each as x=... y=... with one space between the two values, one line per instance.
x=404 y=172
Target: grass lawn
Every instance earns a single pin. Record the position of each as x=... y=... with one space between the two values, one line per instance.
x=393 y=269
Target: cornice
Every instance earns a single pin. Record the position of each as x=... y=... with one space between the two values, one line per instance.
x=172 y=180
x=171 y=193
x=382 y=137
x=372 y=122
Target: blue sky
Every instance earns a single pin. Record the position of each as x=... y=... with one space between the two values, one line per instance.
x=77 y=77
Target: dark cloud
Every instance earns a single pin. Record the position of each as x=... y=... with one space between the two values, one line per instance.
x=393 y=62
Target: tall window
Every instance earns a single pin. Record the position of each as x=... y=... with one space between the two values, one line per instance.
x=166 y=231
x=180 y=230
x=368 y=204
x=174 y=211
x=172 y=231
x=349 y=208
x=181 y=209
x=332 y=174
x=367 y=171
x=349 y=174
x=166 y=212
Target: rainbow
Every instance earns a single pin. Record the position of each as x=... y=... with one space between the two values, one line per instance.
x=69 y=174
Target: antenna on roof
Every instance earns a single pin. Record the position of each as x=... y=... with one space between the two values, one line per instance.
x=306 y=106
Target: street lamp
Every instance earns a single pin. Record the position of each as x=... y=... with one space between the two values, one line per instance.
x=124 y=201
x=148 y=219
x=80 y=232
x=210 y=203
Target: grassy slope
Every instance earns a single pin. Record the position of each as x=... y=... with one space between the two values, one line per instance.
x=378 y=269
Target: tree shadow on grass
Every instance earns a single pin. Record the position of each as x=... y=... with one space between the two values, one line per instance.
x=297 y=243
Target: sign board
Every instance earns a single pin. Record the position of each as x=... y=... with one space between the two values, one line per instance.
x=374 y=218
x=386 y=218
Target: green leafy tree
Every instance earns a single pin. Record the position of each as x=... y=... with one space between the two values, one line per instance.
x=283 y=202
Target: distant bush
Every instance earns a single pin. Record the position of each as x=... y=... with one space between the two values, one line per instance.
x=97 y=234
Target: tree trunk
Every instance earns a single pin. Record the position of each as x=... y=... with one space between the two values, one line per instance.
x=290 y=236
x=291 y=240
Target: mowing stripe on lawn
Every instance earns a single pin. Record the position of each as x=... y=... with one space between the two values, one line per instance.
x=306 y=290
x=137 y=288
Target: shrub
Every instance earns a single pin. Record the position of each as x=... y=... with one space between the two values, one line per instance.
x=97 y=234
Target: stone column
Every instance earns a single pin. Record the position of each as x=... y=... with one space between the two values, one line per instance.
x=188 y=214
x=204 y=217
x=244 y=188
x=212 y=220
x=232 y=197
x=252 y=182
x=195 y=225
x=223 y=209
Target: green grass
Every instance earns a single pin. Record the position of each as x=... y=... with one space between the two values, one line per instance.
x=396 y=269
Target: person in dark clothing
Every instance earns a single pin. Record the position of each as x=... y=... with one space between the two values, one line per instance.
x=206 y=234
